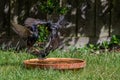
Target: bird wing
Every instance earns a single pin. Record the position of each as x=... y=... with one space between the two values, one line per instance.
x=22 y=31
x=29 y=22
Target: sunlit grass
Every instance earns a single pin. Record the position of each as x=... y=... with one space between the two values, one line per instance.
x=105 y=66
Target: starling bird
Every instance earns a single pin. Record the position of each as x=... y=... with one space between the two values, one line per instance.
x=33 y=38
x=30 y=33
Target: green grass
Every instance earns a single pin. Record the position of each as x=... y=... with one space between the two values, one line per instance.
x=105 y=66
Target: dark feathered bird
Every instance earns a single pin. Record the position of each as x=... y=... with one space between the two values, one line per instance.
x=30 y=32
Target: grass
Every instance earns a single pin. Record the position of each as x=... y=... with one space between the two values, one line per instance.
x=105 y=66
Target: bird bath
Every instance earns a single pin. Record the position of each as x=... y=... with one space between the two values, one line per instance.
x=55 y=63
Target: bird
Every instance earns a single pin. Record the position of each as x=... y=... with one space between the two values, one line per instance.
x=22 y=31
x=29 y=34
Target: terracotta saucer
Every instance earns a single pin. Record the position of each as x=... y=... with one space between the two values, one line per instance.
x=55 y=63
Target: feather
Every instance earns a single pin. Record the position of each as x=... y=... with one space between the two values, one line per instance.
x=22 y=31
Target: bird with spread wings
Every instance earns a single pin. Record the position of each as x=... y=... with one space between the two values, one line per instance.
x=29 y=32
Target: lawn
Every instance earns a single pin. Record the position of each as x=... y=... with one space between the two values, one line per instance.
x=104 y=66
